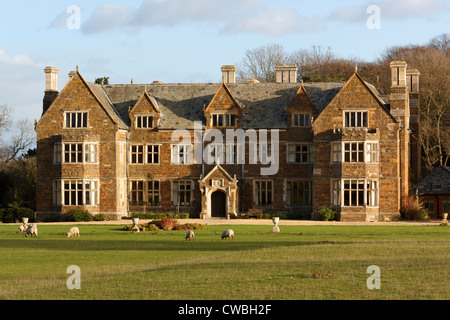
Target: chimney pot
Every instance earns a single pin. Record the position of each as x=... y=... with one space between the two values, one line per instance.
x=398 y=72
x=51 y=79
x=286 y=74
x=228 y=74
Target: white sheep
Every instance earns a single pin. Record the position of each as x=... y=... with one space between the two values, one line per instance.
x=23 y=228
x=190 y=235
x=74 y=231
x=32 y=230
x=227 y=234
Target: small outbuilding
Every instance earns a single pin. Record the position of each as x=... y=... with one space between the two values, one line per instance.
x=434 y=192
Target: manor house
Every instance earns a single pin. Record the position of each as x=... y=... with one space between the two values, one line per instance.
x=165 y=147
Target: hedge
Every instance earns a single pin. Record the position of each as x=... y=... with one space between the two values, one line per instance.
x=160 y=215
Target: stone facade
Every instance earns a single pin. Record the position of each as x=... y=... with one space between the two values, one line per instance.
x=130 y=148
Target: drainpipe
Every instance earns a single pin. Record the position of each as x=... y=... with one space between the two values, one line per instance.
x=127 y=151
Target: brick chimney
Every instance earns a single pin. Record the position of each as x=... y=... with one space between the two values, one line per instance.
x=286 y=74
x=412 y=82
x=399 y=105
x=51 y=87
x=228 y=74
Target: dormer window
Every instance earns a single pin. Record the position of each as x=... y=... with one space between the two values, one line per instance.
x=301 y=120
x=144 y=122
x=223 y=120
x=356 y=119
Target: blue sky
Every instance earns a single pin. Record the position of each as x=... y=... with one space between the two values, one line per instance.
x=188 y=40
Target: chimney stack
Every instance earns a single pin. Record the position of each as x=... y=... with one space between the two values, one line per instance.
x=399 y=105
x=228 y=74
x=51 y=87
x=412 y=82
x=286 y=74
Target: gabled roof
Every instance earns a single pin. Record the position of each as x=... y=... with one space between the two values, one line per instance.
x=151 y=100
x=436 y=182
x=371 y=90
x=301 y=101
x=223 y=97
x=219 y=168
x=263 y=104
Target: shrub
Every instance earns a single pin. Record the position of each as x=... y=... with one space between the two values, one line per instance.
x=78 y=215
x=160 y=215
x=14 y=212
x=104 y=217
x=413 y=210
x=327 y=213
x=152 y=227
x=195 y=226
x=167 y=224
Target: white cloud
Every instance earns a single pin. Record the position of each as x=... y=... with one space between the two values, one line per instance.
x=274 y=23
x=16 y=59
x=232 y=16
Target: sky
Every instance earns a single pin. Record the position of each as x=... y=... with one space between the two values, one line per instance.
x=187 y=41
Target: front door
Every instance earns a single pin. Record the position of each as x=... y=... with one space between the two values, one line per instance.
x=218 y=204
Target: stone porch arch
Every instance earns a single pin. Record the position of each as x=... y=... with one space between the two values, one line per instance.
x=218 y=180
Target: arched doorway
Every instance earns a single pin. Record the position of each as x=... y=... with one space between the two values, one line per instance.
x=218 y=204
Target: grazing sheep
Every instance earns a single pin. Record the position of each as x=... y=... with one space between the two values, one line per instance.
x=23 y=228
x=190 y=235
x=227 y=234
x=32 y=230
x=74 y=231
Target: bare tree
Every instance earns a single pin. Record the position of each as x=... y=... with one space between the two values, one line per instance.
x=20 y=135
x=260 y=63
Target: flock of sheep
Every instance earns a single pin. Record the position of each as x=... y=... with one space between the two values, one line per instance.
x=32 y=230
x=227 y=234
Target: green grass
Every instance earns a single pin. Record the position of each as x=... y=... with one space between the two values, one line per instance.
x=301 y=262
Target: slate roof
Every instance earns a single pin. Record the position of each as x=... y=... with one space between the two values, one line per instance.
x=436 y=182
x=182 y=103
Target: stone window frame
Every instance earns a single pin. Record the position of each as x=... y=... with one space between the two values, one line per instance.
x=309 y=201
x=367 y=192
x=59 y=152
x=153 y=191
x=158 y=153
x=70 y=120
x=188 y=155
x=299 y=114
x=347 y=121
x=134 y=155
x=358 y=153
x=225 y=115
x=339 y=152
x=309 y=152
x=59 y=192
x=137 y=191
x=178 y=191
x=258 y=193
x=147 y=116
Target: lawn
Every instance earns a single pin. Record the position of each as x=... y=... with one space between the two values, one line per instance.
x=301 y=262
